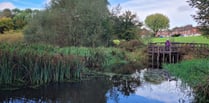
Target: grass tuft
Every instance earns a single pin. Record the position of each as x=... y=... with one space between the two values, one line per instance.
x=196 y=74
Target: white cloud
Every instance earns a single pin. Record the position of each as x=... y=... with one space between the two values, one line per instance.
x=178 y=11
x=47 y=2
x=5 y=5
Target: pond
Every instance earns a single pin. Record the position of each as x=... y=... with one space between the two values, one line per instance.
x=104 y=90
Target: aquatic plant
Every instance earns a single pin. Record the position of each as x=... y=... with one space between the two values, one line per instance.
x=23 y=64
x=29 y=66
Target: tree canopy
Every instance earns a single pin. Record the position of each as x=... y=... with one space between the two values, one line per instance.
x=6 y=22
x=70 y=23
x=202 y=16
x=157 y=22
x=125 y=25
x=15 y=19
x=129 y=24
x=7 y=13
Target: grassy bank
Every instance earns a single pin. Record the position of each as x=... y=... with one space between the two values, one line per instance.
x=196 y=74
x=193 y=39
x=11 y=37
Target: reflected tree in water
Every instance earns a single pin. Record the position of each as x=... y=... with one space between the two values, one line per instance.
x=124 y=87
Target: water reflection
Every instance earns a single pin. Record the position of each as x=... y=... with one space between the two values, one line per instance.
x=171 y=91
x=92 y=91
x=147 y=92
x=102 y=90
x=125 y=92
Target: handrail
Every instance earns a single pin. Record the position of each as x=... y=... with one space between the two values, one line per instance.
x=158 y=53
x=175 y=46
x=177 y=43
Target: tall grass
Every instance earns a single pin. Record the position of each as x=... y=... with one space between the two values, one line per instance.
x=11 y=37
x=29 y=67
x=36 y=64
x=196 y=74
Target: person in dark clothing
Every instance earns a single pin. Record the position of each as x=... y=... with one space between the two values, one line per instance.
x=167 y=45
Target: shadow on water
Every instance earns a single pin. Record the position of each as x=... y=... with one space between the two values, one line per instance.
x=104 y=90
x=92 y=91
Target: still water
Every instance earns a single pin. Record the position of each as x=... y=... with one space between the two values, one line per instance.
x=103 y=90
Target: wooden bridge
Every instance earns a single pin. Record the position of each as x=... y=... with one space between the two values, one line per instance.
x=159 y=54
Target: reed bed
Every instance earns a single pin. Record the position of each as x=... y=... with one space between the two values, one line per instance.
x=27 y=66
x=24 y=64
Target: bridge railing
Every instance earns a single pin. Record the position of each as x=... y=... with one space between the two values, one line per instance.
x=158 y=53
x=175 y=47
x=162 y=49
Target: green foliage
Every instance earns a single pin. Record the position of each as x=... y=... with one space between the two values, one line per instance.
x=16 y=18
x=71 y=23
x=7 y=22
x=125 y=25
x=116 y=42
x=195 y=73
x=21 y=18
x=202 y=96
x=129 y=34
x=131 y=45
x=157 y=22
x=28 y=66
x=37 y=64
x=202 y=7
x=15 y=11
x=7 y=13
x=129 y=24
x=205 y=30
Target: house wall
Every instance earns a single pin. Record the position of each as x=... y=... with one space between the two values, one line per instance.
x=186 y=31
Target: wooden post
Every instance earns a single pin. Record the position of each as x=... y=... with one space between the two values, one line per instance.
x=163 y=61
x=173 y=59
x=153 y=57
x=158 y=52
x=177 y=58
x=170 y=54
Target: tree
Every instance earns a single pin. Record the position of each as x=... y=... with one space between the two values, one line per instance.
x=6 y=23
x=28 y=11
x=202 y=16
x=15 y=11
x=157 y=22
x=70 y=23
x=125 y=25
x=20 y=20
x=129 y=24
x=21 y=17
x=7 y=13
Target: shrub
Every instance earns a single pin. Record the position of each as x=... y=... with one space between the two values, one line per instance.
x=116 y=42
x=70 y=23
x=131 y=45
x=189 y=53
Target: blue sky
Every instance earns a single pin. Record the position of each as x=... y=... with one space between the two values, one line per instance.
x=178 y=11
x=22 y=4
